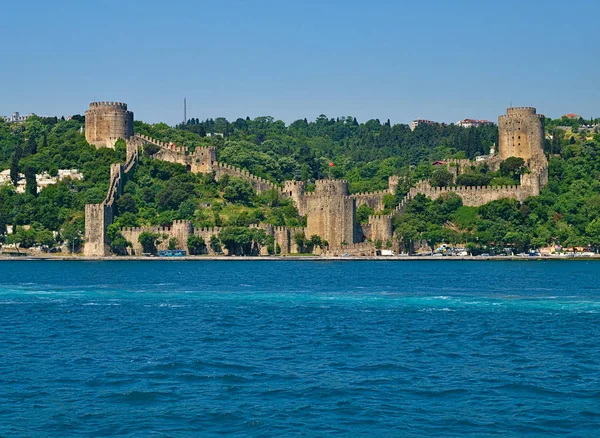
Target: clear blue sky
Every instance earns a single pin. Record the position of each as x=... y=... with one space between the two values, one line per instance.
x=441 y=60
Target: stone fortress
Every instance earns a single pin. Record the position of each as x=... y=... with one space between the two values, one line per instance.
x=106 y=122
x=330 y=210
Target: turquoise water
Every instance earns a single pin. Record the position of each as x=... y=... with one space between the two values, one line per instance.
x=288 y=348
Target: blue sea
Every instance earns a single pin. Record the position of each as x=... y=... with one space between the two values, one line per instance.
x=285 y=348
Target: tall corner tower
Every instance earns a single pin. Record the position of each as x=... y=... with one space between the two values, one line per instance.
x=106 y=122
x=521 y=134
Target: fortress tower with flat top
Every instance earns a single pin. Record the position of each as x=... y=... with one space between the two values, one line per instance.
x=521 y=134
x=106 y=122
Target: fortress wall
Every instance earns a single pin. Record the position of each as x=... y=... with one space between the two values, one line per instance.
x=380 y=227
x=132 y=235
x=283 y=238
x=97 y=219
x=182 y=230
x=259 y=184
x=331 y=217
x=475 y=196
x=206 y=234
x=393 y=182
x=355 y=249
x=99 y=216
x=198 y=161
x=373 y=199
x=296 y=191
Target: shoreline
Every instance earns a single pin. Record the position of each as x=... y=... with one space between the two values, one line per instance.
x=291 y=258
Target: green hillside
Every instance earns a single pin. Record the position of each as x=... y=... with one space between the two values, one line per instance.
x=567 y=212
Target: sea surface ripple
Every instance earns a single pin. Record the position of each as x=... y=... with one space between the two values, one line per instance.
x=299 y=348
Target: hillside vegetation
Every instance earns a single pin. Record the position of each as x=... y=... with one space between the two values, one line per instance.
x=567 y=212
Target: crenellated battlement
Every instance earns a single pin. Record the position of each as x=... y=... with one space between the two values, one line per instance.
x=106 y=122
x=367 y=194
x=375 y=217
x=108 y=105
x=331 y=187
x=520 y=110
x=208 y=230
x=260 y=184
x=136 y=230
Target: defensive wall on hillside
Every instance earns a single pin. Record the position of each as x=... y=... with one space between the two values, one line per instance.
x=474 y=196
x=181 y=230
x=204 y=160
x=99 y=216
x=200 y=160
x=330 y=210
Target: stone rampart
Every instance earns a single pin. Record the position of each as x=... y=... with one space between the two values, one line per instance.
x=331 y=213
x=372 y=199
x=476 y=196
x=99 y=216
x=198 y=161
x=180 y=230
x=355 y=249
x=259 y=184
x=380 y=227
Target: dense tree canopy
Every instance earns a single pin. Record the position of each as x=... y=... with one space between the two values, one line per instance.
x=366 y=154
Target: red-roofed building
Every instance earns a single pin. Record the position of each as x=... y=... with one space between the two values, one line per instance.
x=571 y=116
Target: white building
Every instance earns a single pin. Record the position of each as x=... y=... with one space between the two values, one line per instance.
x=473 y=123
x=16 y=117
x=419 y=122
x=43 y=179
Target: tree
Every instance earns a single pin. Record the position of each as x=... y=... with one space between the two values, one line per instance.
x=363 y=212
x=441 y=178
x=196 y=244
x=300 y=240
x=512 y=166
x=118 y=243
x=173 y=243
x=150 y=149
x=316 y=241
x=14 y=167
x=149 y=241
x=215 y=244
x=433 y=236
x=593 y=232
x=30 y=180
x=73 y=232
x=261 y=238
x=45 y=238
x=31 y=145
x=126 y=204
x=238 y=191
x=237 y=240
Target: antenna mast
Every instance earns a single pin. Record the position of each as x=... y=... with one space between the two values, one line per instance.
x=184 y=111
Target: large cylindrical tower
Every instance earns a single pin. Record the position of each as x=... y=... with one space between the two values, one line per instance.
x=521 y=134
x=106 y=122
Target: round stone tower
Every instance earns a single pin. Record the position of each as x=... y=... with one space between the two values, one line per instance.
x=106 y=122
x=521 y=134
x=331 y=187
